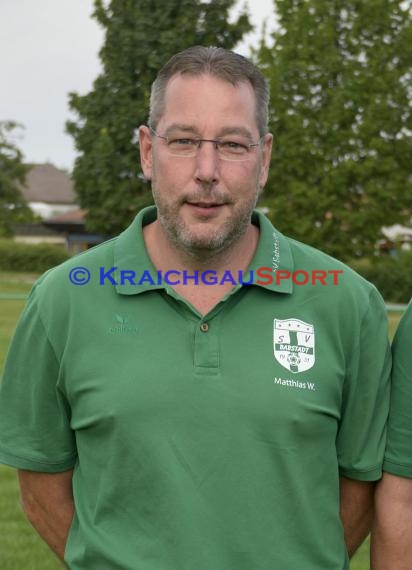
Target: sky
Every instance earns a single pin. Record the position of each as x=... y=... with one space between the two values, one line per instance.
x=49 y=48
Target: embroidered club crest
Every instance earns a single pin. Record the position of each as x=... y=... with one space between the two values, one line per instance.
x=294 y=344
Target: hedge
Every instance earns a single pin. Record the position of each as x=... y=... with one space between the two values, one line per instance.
x=392 y=276
x=30 y=258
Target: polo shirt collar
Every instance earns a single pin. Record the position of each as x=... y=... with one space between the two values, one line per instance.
x=130 y=254
x=273 y=253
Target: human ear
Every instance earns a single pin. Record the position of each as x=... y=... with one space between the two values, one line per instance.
x=146 y=148
x=265 y=160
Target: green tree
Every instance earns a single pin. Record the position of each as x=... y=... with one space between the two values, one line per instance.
x=13 y=207
x=139 y=38
x=341 y=84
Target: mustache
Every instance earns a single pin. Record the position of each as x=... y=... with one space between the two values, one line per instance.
x=209 y=194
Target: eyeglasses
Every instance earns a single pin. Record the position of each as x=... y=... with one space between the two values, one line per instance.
x=227 y=149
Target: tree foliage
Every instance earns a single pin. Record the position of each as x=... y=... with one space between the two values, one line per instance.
x=13 y=207
x=341 y=82
x=139 y=38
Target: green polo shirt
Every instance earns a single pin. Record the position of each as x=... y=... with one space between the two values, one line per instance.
x=398 y=456
x=200 y=442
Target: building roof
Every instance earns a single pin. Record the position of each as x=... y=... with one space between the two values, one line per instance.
x=74 y=217
x=69 y=222
x=48 y=184
x=73 y=224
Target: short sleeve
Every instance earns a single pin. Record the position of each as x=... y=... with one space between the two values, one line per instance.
x=35 y=429
x=398 y=456
x=362 y=431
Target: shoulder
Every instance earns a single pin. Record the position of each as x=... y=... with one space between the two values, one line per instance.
x=288 y=253
x=341 y=278
x=405 y=324
x=77 y=278
x=402 y=352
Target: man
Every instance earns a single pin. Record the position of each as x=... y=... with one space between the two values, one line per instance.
x=392 y=536
x=168 y=424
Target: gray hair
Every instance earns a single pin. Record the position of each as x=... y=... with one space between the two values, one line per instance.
x=217 y=62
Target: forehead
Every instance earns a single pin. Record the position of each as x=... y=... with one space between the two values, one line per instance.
x=208 y=102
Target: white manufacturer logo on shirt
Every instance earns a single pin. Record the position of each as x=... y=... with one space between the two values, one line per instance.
x=294 y=344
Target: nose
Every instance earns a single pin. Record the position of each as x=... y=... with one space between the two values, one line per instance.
x=207 y=163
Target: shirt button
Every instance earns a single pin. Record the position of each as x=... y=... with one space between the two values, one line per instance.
x=204 y=327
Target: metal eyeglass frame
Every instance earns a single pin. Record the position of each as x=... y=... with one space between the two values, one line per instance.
x=216 y=143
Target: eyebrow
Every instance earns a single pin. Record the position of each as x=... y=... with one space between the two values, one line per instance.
x=180 y=127
x=235 y=130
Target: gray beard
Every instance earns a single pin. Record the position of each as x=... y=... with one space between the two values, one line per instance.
x=205 y=249
x=201 y=249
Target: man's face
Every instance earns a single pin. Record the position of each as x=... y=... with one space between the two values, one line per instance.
x=204 y=202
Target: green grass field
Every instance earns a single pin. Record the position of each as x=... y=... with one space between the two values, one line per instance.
x=20 y=547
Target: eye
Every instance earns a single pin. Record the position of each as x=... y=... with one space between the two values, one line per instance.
x=182 y=143
x=234 y=147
